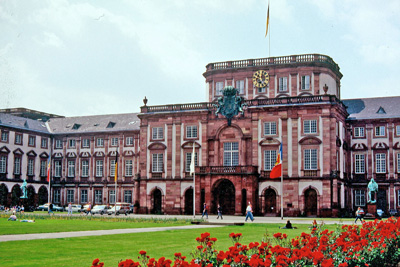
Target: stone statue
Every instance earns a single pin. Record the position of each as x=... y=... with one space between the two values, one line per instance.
x=372 y=190
x=23 y=188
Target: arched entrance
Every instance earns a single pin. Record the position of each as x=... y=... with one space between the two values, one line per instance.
x=15 y=195
x=189 y=201
x=224 y=194
x=156 y=198
x=270 y=202
x=43 y=195
x=310 y=202
x=3 y=195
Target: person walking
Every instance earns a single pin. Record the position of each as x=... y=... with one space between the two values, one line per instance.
x=50 y=208
x=249 y=213
x=205 y=212
x=69 y=209
x=89 y=209
x=219 y=211
x=359 y=214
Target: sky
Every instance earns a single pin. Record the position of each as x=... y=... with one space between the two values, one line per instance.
x=91 y=57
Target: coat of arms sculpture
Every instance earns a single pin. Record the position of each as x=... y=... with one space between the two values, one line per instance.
x=230 y=104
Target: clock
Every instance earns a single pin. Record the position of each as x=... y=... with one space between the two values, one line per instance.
x=260 y=78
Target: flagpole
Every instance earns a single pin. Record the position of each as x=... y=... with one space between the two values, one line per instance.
x=116 y=177
x=269 y=36
x=282 y=192
x=192 y=170
x=48 y=178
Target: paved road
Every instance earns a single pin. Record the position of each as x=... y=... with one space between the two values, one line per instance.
x=211 y=223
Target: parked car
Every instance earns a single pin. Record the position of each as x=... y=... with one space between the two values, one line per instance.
x=75 y=208
x=45 y=207
x=84 y=209
x=119 y=208
x=1 y=208
x=100 y=209
x=57 y=208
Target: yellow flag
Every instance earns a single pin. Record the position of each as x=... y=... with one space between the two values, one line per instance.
x=116 y=171
x=266 y=31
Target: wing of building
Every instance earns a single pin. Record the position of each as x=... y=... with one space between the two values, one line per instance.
x=331 y=147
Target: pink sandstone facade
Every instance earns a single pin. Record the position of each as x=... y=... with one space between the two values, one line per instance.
x=331 y=147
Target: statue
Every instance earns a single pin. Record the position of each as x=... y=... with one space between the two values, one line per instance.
x=372 y=190
x=23 y=188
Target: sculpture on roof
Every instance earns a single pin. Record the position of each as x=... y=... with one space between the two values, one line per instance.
x=230 y=104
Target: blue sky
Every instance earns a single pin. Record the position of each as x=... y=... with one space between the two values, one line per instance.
x=84 y=57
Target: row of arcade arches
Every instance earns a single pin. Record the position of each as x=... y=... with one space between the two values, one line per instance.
x=11 y=197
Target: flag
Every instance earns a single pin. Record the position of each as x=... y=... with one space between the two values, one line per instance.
x=48 y=169
x=116 y=170
x=266 y=31
x=192 y=163
x=276 y=171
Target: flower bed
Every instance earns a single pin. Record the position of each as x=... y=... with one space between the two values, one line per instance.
x=375 y=243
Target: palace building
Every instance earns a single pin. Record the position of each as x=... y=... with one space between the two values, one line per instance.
x=331 y=147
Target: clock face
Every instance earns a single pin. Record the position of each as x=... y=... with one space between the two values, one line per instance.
x=260 y=78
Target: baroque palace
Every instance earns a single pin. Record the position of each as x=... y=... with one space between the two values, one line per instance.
x=331 y=147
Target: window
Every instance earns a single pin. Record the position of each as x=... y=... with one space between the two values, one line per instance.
x=380 y=159
x=84 y=196
x=71 y=143
x=86 y=143
x=99 y=142
x=231 y=154
x=85 y=168
x=128 y=196
x=269 y=159
x=219 y=88
x=398 y=130
x=57 y=168
x=112 y=167
x=58 y=143
x=283 y=84
x=359 y=132
x=18 y=139
x=310 y=126
x=359 y=197
x=31 y=167
x=310 y=159
x=70 y=196
x=240 y=86
x=398 y=164
x=157 y=163
x=380 y=131
x=129 y=141
x=43 y=143
x=305 y=82
x=189 y=160
x=261 y=89
x=360 y=163
x=111 y=196
x=99 y=168
x=114 y=141
x=3 y=164
x=17 y=165
x=31 y=140
x=56 y=195
x=191 y=132
x=128 y=167
x=71 y=168
x=158 y=133
x=4 y=136
x=98 y=196
x=43 y=168
x=269 y=128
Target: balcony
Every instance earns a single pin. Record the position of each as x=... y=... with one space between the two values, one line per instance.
x=265 y=174
x=237 y=170
x=156 y=175
x=359 y=177
x=380 y=176
x=310 y=173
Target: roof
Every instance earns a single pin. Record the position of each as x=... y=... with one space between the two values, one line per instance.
x=22 y=123
x=29 y=113
x=373 y=108
x=97 y=123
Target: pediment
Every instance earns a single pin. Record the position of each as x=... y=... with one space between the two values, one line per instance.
x=189 y=144
x=310 y=140
x=380 y=145
x=359 y=146
x=268 y=141
x=71 y=155
x=396 y=146
x=44 y=155
x=18 y=151
x=4 y=149
x=99 y=154
x=128 y=153
x=157 y=146
x=31 y=154
x=84 y=155
x=113 y=153
x=58 y=155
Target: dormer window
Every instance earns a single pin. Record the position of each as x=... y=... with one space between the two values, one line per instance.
x=111 y=124
x=76 y=126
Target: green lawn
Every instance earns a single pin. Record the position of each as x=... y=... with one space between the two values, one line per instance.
x=114 y=248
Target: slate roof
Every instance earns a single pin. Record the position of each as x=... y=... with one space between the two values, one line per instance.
x=373 y=108
x=22 y=123
x=97 y=123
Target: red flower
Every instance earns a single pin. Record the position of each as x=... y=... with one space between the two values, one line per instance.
x=142 y=252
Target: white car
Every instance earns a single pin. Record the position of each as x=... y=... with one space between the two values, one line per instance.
x=75 y=208
x=100 y=209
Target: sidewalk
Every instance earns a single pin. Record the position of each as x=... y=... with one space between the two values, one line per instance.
x=212 y=222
